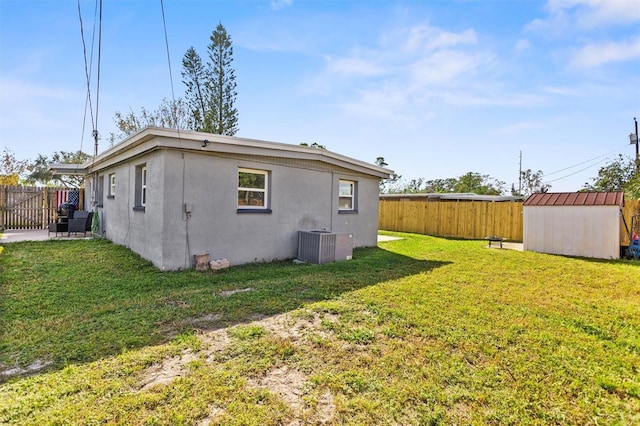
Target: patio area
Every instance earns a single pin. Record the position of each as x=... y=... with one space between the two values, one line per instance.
x=15 y=235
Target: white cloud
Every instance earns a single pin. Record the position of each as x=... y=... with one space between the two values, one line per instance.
x=353 y=66
x=444 y=67
x=424 y=38
x=495 y=97
x=386 y=103
x=563 y=91
x=597 y=54
x=521 y=45
x=280 y=4
x=593 y=13
x=570 y=15
x=394 y=83
x=519 y=128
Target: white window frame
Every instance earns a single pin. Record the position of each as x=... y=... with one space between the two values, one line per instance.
x=140 y=187
x=351 y=195
x=264 y=190
x=112 y=184
x=143 y=185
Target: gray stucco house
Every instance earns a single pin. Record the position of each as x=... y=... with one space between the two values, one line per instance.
x=170 y=194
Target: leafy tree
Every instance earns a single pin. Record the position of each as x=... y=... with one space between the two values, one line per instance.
x=211 y=88
x=380 y=162
x=440 y=185
x=531 y=183
x=478 y=184
x=386 y=185
x=632 y=189
x=11 y=168
x=414 y=186
x=170 y=114
x=40 y=173
x=614 y=176
x=470 y=182
x=313 y=145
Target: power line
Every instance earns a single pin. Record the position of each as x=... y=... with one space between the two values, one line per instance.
x=579 y=164
x=600 y=158
x=576 y=172
x=87 y=73
x=166 y=42
x=95 y=129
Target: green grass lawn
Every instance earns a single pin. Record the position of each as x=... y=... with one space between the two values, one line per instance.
x=422 y=330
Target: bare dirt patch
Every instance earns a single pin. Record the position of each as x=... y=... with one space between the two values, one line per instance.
x=228 y=293
x=289 y=385
x=167 y=371
x=205 y=319
x=214 y=412
x=37 y=365
x=214 y=342
x=285 y=382
x=286 y=326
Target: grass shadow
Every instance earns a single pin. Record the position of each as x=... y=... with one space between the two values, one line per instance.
x=67 y=302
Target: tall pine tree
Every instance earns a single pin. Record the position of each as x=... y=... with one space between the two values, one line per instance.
x=222 y=84
x=195 y=77
x=211 y=89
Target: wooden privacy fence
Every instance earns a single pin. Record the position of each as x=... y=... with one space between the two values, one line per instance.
x=631 y=207
x=467 y=219
x=462 y=219
x=31 y=207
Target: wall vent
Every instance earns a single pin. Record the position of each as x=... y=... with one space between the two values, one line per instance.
x=324 y=246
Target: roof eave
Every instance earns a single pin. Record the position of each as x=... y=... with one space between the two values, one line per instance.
x=195 y=141
x=69 y=169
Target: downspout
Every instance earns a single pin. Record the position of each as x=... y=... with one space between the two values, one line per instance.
x=333 y=183
x=95 y=222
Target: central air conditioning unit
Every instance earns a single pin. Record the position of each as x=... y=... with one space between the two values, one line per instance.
x=324 y=246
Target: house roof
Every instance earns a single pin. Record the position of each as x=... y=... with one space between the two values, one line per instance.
x=466 y=196
x=152 y=138
x=576 y=199
x=68 y=169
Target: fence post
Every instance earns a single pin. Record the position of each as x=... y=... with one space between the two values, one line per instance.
x=3 y=206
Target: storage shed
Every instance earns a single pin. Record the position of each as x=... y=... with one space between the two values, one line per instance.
x=583 y=224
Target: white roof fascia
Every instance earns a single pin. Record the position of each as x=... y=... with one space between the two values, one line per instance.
x=68 y=169
x=154 y=137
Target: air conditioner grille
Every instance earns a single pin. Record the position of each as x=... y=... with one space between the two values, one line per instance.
x=323 y=246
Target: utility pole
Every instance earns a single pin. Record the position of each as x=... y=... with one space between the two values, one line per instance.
x=520 y=176
x=634 y=140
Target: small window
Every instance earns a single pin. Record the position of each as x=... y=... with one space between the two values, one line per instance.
x=143 y=201
x=347 y=195
x=141 y=188
x=112 y=185
x=252 y=189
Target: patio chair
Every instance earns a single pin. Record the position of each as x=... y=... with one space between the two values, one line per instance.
x=58 y=227
x=81 y=222
x=62 y=222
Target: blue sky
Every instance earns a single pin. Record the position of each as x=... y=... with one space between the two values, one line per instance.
x=438 y=88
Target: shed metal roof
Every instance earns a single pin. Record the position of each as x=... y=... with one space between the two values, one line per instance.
x=576 y=199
